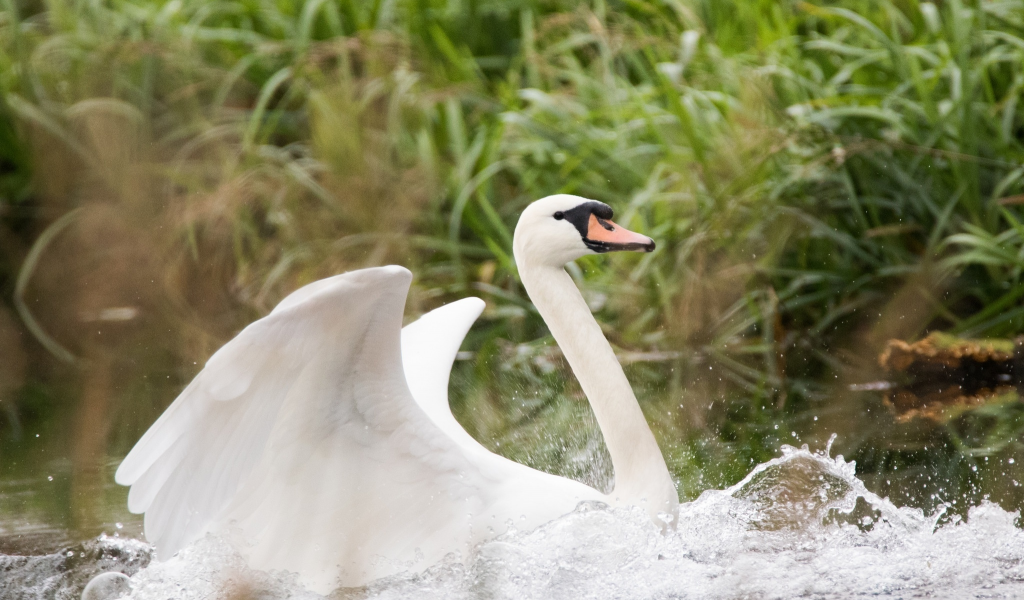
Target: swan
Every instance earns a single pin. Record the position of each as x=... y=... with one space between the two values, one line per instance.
x=320 y=440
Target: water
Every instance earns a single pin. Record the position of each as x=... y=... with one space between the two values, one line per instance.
x=63 y=575
x=45 y=507
x=801 y=525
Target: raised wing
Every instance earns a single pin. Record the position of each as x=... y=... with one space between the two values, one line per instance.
x=429 y=346
x=301 y=439
x=531 y=497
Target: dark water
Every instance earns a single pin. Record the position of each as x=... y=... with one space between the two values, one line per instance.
x=43 y=512
x=46 y=551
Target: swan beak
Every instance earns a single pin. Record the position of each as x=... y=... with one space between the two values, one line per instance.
x=604 y=235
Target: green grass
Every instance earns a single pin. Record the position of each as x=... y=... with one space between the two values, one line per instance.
x=819 y=177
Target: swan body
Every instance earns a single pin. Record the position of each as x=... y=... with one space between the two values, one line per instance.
x=320 y=439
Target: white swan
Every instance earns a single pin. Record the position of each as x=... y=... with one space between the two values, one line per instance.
x=320 y=439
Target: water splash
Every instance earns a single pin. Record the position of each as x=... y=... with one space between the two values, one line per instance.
x=64 y=574
x=801 y=525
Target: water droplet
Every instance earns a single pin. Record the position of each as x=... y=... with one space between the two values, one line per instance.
x=828 y=446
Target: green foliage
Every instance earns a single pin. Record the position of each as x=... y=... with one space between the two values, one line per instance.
x=819 y=177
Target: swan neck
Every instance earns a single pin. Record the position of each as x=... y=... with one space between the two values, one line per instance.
x=641 y=476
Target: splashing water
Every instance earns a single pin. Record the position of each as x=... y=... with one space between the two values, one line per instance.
x=801 y=525
x=64 y=574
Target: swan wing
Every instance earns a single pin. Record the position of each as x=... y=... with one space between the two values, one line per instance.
x=300 y=438
x=429 y=346
x=191 y=461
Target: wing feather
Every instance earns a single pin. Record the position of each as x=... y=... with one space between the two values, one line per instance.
x=189 y=465
x=429 y=347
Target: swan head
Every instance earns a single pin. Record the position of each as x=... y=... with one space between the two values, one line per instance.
x=561 y=228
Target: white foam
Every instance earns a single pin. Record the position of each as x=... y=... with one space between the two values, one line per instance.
x=794 y=527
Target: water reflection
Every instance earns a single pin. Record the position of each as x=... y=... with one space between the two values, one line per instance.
x=45 y=506
x=942 y=376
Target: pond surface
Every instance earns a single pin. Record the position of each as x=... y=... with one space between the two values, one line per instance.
x=36 y=519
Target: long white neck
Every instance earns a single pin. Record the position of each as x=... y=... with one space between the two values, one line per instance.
x=641 y=477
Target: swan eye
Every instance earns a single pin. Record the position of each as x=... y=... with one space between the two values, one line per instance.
x=559 y=215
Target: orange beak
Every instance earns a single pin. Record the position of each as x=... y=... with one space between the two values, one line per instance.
x=605 y=236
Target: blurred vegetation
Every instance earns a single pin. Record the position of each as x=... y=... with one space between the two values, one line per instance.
x=820 y=177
